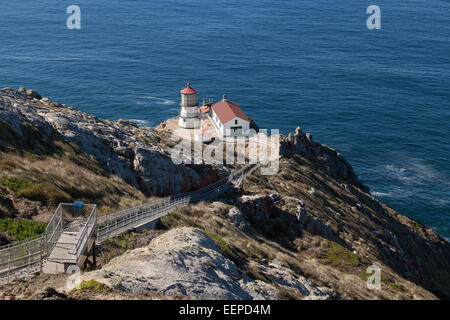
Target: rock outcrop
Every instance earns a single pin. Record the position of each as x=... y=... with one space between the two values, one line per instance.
x=329 y=159
x=182 y=261
x=237 y=218
x=185 y=261
x=5 y=239
x=256 y=207
x=285 y=278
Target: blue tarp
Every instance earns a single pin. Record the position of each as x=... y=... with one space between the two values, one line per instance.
x=78 y=204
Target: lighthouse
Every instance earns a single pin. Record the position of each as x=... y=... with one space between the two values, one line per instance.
x=188 y=118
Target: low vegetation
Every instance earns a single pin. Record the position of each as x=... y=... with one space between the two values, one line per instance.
x=21 y=229
x=341 y=257
x=73 y=176
x=16 y=184
x=91 y=286
x=218 y=240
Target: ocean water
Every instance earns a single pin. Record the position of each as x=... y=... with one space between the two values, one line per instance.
x=380 y=97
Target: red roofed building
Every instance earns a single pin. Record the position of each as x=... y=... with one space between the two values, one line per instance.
x=203 y=112
x=229 y=118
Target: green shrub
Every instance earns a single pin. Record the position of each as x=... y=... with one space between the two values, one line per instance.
x=21 y=229
x=342 y=257
x=363 y=275
x=397 y=287
x=93 y=286
x=36 y=192
x=419 y=227
x=16 y=184
x=218 y=240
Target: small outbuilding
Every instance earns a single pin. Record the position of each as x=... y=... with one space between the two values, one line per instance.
x=229 y=119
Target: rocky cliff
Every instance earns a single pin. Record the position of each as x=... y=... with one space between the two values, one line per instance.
x=44 y=144
x=308 y=232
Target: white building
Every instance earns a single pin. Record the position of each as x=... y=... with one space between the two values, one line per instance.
x=188 y=115
x=229 y=119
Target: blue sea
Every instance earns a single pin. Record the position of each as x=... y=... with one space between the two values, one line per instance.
x=380 y=97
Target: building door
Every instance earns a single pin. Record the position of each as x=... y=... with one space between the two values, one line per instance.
x=236 y=131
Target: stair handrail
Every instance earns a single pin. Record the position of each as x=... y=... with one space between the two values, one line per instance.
x=85 y=233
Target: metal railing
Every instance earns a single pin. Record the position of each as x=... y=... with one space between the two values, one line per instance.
x=116 y=223
x=26 y=257
x=54 y=229
x=86 y=233
x=21 y=258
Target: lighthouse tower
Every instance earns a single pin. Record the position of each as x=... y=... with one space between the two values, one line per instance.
x=188 y=115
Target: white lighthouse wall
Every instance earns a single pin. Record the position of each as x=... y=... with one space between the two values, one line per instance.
x=189 y=112
x=188 y=123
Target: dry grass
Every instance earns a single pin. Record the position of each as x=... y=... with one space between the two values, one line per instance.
x=65 y=177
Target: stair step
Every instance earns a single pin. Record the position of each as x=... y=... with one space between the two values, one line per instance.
x=69 y=233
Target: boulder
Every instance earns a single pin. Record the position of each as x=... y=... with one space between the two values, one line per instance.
x=5 y=239
x=123 y=122
x=259 y=206
x=237 y=218
x=182 y=261
x=290 y=281
x=33 y=94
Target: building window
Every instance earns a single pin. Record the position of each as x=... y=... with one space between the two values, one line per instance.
x=235 y=121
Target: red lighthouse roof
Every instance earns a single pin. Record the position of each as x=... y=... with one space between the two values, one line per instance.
x=188 y=89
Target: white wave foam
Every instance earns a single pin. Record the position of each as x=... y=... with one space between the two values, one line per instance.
x=413 y=171
x=394 y=168
x=158 y=100
x=381 y=194
x=143 y=123
x=139 y=99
